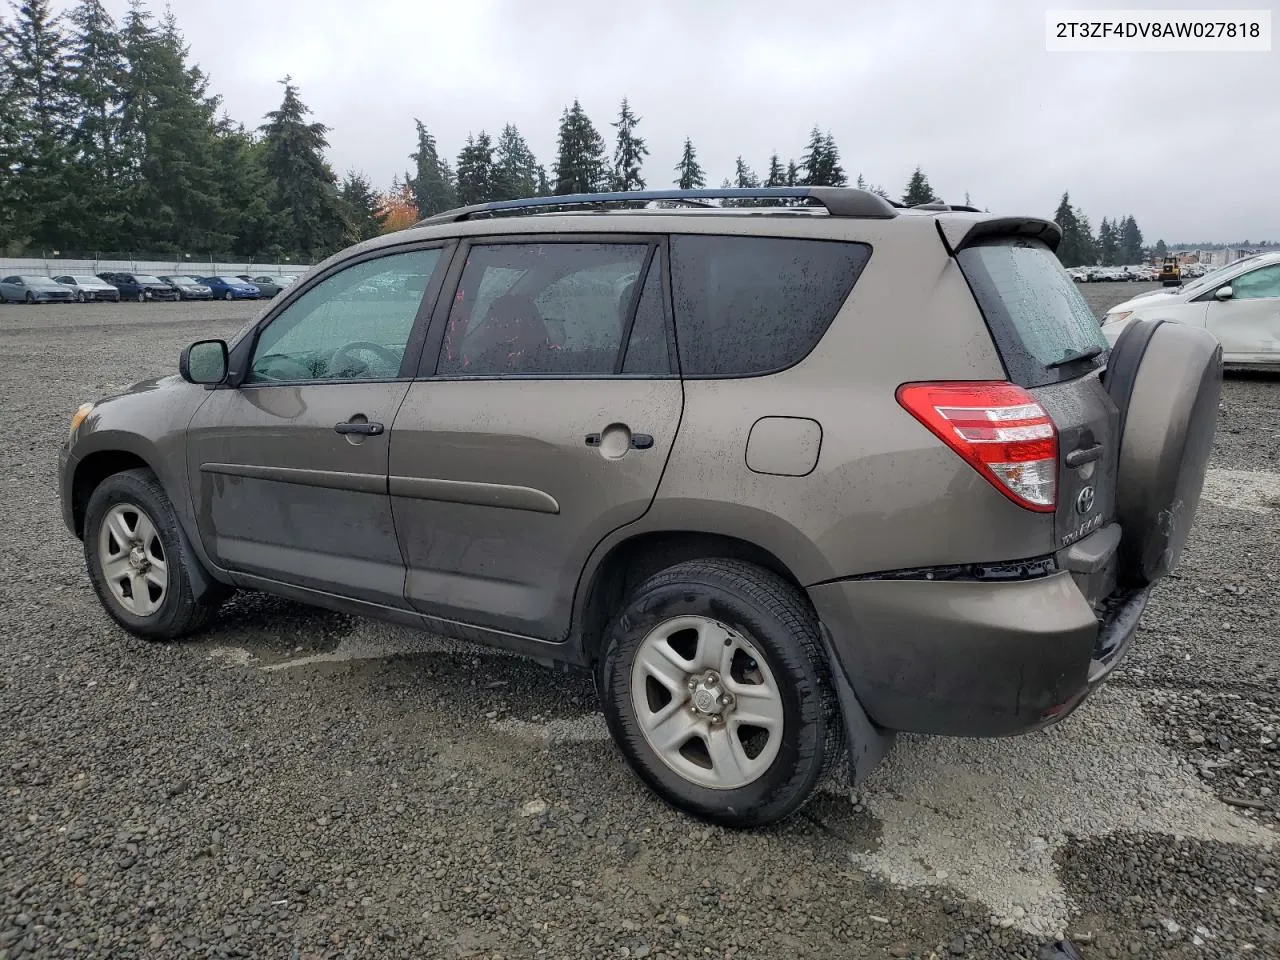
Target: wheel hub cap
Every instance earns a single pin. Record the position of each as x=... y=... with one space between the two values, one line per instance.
x=138 y=558
x=708 y=696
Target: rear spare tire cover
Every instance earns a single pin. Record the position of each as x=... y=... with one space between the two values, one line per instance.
x=1166 y=379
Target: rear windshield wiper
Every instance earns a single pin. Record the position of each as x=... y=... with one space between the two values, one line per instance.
x=1088 y=353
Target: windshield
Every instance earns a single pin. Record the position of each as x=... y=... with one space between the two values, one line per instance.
x=143 y=278
x=41 y=282
x=88 y=281
x=1214 y=276
x=233 y=281
x=184 y=281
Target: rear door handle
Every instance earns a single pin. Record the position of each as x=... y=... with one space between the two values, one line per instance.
x=1078 y=458
x=364 y=429
x=639 y=441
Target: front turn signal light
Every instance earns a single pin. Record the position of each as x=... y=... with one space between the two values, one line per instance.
x=82 y=411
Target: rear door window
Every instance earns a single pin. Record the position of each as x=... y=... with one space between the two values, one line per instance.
x=1036 y=314
x=746 y=306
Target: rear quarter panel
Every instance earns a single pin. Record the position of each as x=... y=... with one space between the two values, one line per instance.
x=885 y=494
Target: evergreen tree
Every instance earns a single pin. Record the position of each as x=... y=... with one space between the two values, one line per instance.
x=580 y=158
x=1107 y=243
x=743 y=176
x=43 y=114
x=690 y=175
x=476 y=170
x=1078 y=246
x=793 y=175
x=861 y=182
x=967 y=201
x=629 y=151
x=246 y=209
x=432 y=182
x=544 y=186
x=305 y=195
x=777 y=176
x=13 y=209
x=96 y=66
x=1130 y=241
x=918 y=190
x=171 y=193
x=1161 y=251
x=515 y=169
x=363 y=208
x=821 y=162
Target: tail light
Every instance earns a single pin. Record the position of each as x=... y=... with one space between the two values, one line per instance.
x=999 y=429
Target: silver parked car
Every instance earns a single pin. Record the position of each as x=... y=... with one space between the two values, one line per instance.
x=26 y=288
x=87 y=287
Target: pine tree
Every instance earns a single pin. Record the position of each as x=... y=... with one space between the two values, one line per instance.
x=967 y=201
x=173 y=197
x=96 y=66
x=1130 y=241
x=1078 y=247
x=311 y=221
x=432 y=182
x=246 y=193
x=793 y=175
x=1107 y=243
x=476 y=170
x=544 y=186
x=743 y=176
x=690 y=175
x=629 y=151
x=777 y=176
x=861 y=182
x=13 y=208
x=515 y=169
x=43 y=113
x=580 y=158
x=1161 y=251
x=918 y=190
x=821 y=162
x=363 y=208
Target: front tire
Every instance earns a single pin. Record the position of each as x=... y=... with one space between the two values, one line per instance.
x=227 y=295
x=80 y=297
x=716 y=689
x=133 y=552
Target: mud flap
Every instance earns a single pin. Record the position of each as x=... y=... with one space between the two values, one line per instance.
x=867 y=743
x=201 y=583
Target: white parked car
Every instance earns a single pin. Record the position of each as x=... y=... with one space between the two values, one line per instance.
x=1239 y=304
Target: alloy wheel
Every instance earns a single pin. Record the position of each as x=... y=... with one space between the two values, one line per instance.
x=707 y=703
x=133 y=560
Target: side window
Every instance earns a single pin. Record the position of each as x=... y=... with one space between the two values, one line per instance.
x=751 y=305
x=542 y=309
x=353 y=325
x=1260 y=284
x=647 y=351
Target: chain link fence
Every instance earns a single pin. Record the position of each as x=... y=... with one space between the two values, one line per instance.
x=55 y=263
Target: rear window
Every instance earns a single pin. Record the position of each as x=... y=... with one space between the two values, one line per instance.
x=746 y=306
x=1036 y=314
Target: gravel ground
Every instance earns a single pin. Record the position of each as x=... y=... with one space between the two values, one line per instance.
x=301 y=784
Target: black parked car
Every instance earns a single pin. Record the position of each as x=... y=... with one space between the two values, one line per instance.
x=189 y=288
x=140 y=286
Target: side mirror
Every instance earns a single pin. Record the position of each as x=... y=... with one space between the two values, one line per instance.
x=1223 y=293
x=204 y=361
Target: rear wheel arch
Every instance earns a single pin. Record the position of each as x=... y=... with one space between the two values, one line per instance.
x=603 y=590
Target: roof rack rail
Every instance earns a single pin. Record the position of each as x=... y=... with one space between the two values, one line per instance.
x=838 y=201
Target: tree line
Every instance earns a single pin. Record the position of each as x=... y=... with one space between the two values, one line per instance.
x=110 y=140
x=1117 y=243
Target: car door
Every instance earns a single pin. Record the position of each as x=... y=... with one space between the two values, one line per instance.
x=288 y=469
x=1248 y=322
x=11 y=288
x=532 y=433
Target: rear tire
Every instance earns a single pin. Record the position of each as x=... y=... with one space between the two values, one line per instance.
x=227 y=295
x=133 y=552
x=747 y=647
x=80 y=297
x=30 y=298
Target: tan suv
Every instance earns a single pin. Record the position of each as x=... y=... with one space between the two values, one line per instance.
x=787 y=474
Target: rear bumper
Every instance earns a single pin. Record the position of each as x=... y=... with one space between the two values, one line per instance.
x=974 y=658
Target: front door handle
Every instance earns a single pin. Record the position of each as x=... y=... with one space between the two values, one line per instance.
x=639 y=441
x=363 y=429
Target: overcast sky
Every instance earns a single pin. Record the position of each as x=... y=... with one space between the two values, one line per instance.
x=1186 y=142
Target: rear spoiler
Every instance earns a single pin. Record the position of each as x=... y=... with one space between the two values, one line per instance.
x=958 y=233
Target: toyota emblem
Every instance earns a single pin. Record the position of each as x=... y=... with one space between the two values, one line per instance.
x=1084 y=500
